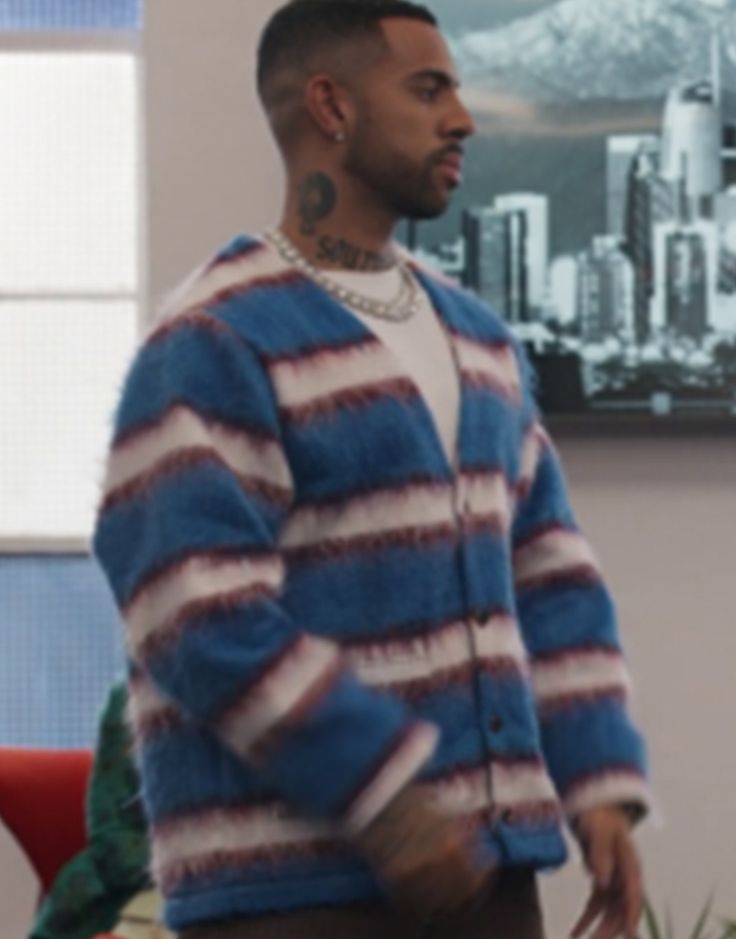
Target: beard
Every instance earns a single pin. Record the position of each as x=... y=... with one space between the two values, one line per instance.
x=405 y=188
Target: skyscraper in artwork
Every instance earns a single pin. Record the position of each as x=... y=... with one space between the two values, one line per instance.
x=605 y=291
x=621 y=151
x=496 y=259
x=650 y=199
x=535 y=208
x=692 y=142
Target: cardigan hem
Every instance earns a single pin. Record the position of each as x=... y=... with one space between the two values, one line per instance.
x=542 y=850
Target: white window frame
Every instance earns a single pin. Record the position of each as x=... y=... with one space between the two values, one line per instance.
x=89 y=41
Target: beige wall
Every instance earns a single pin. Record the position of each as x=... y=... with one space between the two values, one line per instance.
x=213 y=170
x=19 y=888
x=662 y=513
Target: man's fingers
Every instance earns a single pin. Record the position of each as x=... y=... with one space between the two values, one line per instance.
x=630 y=877
x=613 y=862
x=620 y=906
x=611 y=926
x=601 y=858
x=427 y=862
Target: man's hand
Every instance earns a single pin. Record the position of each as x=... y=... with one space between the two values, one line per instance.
x=429 y=863
x=616 y=902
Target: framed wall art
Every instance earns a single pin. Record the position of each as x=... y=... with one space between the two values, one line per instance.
x=598 y=211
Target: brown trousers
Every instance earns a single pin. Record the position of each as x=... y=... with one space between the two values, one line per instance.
x=511 y=911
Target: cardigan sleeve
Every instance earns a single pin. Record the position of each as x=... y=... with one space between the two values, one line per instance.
x=197 y=490
x=594 y=752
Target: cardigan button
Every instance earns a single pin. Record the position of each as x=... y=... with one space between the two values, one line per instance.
x=496 y=723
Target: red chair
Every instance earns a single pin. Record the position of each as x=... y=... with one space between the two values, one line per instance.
x=42 y=802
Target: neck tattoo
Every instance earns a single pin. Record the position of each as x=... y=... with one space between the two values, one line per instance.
x=404 y=305
x=317 y=201
x=351 y=257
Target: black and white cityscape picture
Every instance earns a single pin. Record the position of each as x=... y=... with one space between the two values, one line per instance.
x=598 y=213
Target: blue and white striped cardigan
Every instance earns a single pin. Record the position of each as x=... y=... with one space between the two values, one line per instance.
x=320 y=607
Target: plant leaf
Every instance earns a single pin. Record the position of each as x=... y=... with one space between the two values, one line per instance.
x=698 y=929
x=729 y=929
x=650 y=918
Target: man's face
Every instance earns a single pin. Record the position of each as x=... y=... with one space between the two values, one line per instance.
x=407 y=143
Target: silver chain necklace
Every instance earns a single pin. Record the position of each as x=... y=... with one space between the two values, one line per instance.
x=403 y=306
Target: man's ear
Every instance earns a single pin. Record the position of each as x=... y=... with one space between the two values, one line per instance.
x=329 y=105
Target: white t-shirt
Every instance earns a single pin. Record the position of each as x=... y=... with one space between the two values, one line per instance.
x=421 y=344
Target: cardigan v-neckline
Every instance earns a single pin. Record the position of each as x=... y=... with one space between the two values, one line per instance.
x=450 y=461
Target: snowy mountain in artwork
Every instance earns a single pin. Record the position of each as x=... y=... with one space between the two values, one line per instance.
x=612 y=49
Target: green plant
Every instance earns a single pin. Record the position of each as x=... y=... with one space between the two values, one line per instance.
x=707 y=926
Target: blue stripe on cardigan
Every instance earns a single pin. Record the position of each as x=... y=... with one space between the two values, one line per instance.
x=557 y=618
x=164 y=522
x=587 y=737
x=194 y=364
x=228 y=667
x=380 y=446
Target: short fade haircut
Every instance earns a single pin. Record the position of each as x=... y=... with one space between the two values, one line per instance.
x=299 y=33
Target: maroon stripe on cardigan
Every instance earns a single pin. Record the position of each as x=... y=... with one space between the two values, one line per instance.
x=500 y=668
x=399 y=642
x=160 y=720
x=611 y=771
x=492 y=522
x=532 y=813
x=520 y=761
x=463 y=771
x=542 y=531
x=457 y=773
x=372 y=544
x=345 y=500
x=205 y=867
x=402 y=636
x=257 y=436
x=482 y=381
x=202 y=813
x=148 y=727
x=559 y=657
x=552 y=707
x=214 y=556
x=313 y=353
x=582 y=575
x=236 y=291
x=350 y=399
x=183 y=461
x=298 y=713
x=196 y=613
x=493 y=346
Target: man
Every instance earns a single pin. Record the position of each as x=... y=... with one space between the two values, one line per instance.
x=373 y=662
